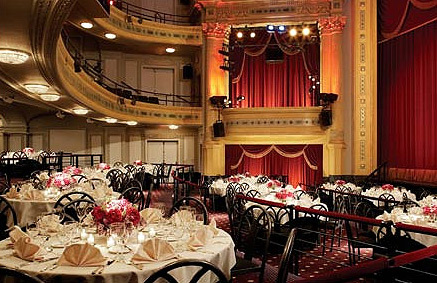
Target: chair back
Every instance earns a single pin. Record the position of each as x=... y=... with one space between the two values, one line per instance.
x=69 y=197
x=192 y=202
x=135 y=196
x=262 y=179
x=77 y=210
x=12 y=275
x=6 y=212
x=286 y=257
x=204 y=269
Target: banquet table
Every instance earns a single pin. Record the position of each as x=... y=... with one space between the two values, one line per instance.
x=397 y=193
x=413 y=217
x=219 y=251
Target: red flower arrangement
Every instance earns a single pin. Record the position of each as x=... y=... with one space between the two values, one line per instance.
x=234 y=179
x=247 y=174
x=61 y=180
x=284 y=194
x=340 y=182
x=138 y=162
x=116 y=211
x=28 y=150
x=273 y=184
x=72 y=170
x=429 y=210
x=388 y=187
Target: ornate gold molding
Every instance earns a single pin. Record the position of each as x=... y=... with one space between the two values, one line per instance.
x=331 y=25
x=218 y=30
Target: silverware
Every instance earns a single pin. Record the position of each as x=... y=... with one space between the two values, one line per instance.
x=49 y=267
x=99 y=270
x=37 y=261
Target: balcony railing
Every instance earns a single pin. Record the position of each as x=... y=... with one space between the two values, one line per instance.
x=156 y=16
x=122 y=89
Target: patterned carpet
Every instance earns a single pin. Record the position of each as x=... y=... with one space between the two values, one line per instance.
x=310 y=265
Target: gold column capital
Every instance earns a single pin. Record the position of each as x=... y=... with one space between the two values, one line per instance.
x=218 y=30
x=332 y=25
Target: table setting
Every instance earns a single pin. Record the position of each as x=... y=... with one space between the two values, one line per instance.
x=397 y=192
x=129 y=249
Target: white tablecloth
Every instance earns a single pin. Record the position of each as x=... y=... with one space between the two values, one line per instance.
x=219 y=252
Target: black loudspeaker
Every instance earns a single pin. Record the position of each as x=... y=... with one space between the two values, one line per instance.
x=219 y=129
x=187 y=72
x=274 y=55
x=325 y=118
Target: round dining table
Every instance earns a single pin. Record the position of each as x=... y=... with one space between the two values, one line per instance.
x=219 y=251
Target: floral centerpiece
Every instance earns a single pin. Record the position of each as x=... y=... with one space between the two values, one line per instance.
x=340 y=182
x=72 y=170
x=234 y=179
x=116 y=211
x=104 y=166
x=272 y=184
x=430 y=212
x=388 y=187
x=28 y=150
x=138 y=162
x=61 y=180
x=284 y=194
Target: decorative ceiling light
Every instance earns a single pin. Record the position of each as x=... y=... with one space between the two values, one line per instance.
x=15 y=57
x=80 y=111
x=170 y=50
x=293 y=32
x=50 y=96
x=252 y=34
x=109 y=35
x=132 y=123
x=86 y=25
x=36 y=88
x=281 y=29
x=111 y=120
x=239 y=34
x=173 y=127
x=306 y=31
x=270 y=28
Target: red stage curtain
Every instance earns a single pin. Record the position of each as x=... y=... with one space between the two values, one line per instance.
x=273 y=163
x=396 y=17
x=407 y=99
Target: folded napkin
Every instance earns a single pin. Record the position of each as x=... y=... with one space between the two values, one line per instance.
x=386 y=216
x=25 y=249
x=33 y=195
x=200 y=238
x=81 y=255
x=182 y=216
x=13 y=193
x=50 y=223
x=154 y=250
x=16 y=233
x=213 y=227
x=151 y=215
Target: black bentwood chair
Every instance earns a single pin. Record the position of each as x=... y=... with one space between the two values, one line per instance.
x=6 y=210
x=192 y=202
x=203 y=269
x=12 y=275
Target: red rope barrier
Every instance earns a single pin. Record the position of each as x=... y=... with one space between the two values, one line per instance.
x=415 y=228
x=413 y=256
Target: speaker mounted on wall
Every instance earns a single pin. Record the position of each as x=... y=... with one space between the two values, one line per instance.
x=219 y=129
x=187 y=72
x=325 y=117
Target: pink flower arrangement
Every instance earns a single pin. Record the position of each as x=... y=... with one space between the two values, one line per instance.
x=284 y=194
x=234 y=179
x=28 y=150
x=388 y=187
x=138 y=162
x=273 y=184
x=60 y=180
x=340 y=182
x=104 y=166
x=120 y=210
x=428 y=210
x=72 y=170
x=247 y=175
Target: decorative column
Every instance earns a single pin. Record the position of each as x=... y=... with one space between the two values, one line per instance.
x=331 y=72
x=215 y=83
x=364 y=52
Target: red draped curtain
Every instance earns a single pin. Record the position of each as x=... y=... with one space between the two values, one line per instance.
x=279 y=84
x=407 y=98
x=301 y=163
x=396 y=17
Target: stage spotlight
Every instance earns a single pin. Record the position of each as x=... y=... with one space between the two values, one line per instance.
x=140 y=21
x=134 y=101
x=129 y=19
x=239 y=34
x=252 y=34
x=293 y=32
x=241 y=98
x=270 y=28
x=121 y=100
x=306 y=31
x=281 y=29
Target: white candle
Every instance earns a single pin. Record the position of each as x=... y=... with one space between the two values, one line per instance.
x=110 y=242
x=141 y=237
x=90 y=239
x=152 y=233
x=83 y=235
